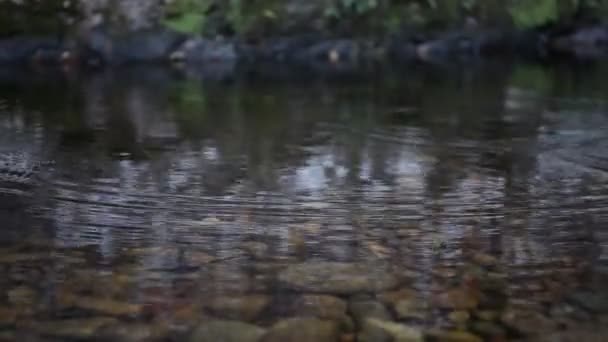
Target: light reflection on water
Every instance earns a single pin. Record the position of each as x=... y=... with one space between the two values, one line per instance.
x=476 y=191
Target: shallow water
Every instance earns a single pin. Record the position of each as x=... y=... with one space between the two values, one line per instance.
x=433 y=203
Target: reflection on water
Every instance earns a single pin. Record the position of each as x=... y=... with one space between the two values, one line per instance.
x=438 y=204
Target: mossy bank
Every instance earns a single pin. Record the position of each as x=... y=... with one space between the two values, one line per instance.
x=107 y=32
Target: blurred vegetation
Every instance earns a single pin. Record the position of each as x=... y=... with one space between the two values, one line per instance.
x=258 y=17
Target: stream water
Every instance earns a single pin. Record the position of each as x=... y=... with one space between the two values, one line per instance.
x=426 y=203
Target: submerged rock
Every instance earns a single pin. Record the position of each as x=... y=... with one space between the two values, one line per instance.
x=226 y=331
x=527 y=322
x=245 y=308
x=335 y=277
x=303 y=330
x=361 y=310
x=593 y=302
x=456 y=299
x=7 y=316
x=380 y=330
x=84 y=328
x=122 y=332
x=102 y=305
x=321 y=306
x=455 y=336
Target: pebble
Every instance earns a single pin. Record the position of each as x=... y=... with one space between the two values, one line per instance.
x=337 y=278
x=396 y=331
x=321 y=306
x=84 y=328
x=302 y=330
x=456 y=299
x=245 y=308
x=361 y=310
x=226 y=331
x=101 y=305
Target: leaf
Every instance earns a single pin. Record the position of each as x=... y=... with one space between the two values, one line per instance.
x=533 y=13
x=186 y=23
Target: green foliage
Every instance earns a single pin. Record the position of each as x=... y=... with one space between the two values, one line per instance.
x=187 y=16
x=533 y=13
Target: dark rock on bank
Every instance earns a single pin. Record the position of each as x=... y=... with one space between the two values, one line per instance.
x=590 y=42
x=42 y=50
x=153 y=45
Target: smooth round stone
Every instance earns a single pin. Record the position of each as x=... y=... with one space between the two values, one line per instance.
x=303 y=330
x=413 y=308
x=361 y=310
x=459 y=317
x=338 y=278
x=488 y=329
x=380 y=330
x=456 y=299
x=84 y=328
x=454 y=336
x=226 y=331
x=527 y=322
x=321 y=306
x=245 y=308
x=133 y=332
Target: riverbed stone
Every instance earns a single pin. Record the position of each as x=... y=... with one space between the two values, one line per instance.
x=301 y=329
x=245 y=308
x=361 y=310
x=488 y=329
x=320 y=306
x=258 y=250
x=412 y=308
x=82 y=328
x=594 y=302
x=133 y=332
x=380 y=330
x=456 y=299
x=337 y=278
x=226 y=331
x=454 y=336
x=527 y=322
x=105 y=306
x=7 y=316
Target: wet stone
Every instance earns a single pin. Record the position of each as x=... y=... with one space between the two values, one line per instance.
x=303 y=330
x=101 y=305
x=22 y=295
x=226 y=331
x=413 y=308
x=488 y=329
x=483 y=259
x=133 y=332
x=245 y=308
x=380 y=330
x=392 y=297
x=487 y=315
x=456 y=299
x=527 y=322
x=321 y=306
x=257 y=250
x=338 y=278
x=454 y=336
x=70 y=328
x=361 y=310
x=594 y=302
x=459 y=317
x=7 y=316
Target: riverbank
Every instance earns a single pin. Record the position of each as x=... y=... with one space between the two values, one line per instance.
x=98 y=48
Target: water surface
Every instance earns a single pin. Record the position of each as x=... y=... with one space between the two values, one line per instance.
x=425 y=202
